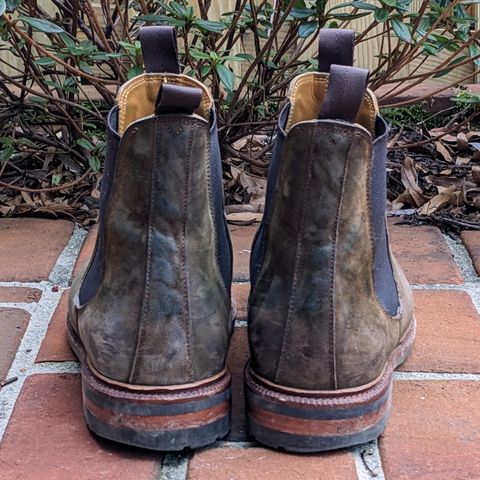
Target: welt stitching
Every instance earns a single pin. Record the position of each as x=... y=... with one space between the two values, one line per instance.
x=333 y=259
x=186 y=303
x=146 y=296
x=298 y=254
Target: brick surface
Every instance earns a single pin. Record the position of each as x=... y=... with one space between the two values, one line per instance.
x=471 y=240
x=30 y=247
x=448 y=333
x=242 y=238
x=47 y=439
x=13 y=323
x=240 y=293
x=237 y=358
x=86 y=250
x=433 y=432
x=423 y=254
x=20 y=294
x=262 y=464
x=55 y=347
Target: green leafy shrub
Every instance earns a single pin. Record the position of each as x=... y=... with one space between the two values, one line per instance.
x=74 y=55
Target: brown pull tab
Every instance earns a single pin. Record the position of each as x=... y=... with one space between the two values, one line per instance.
x=335 y=47
x=178 y=99
x=346 y=89
x=159 y=47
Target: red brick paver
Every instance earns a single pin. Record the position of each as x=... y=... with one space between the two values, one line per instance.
x=30 y=247
x=471 y=239
x=263 y=464
x=433 y=432
x=87 y=249
x=20 y=294
x=423 y=254
x=47 y=439
x=55 y=347
x=13 y=323
x=242 y=238
x=448 y=333
x=240 y=293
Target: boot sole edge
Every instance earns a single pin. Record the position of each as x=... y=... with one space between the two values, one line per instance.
x=169 y=421
x=299 y=422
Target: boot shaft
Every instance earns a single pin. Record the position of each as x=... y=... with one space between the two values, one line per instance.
x=154 y=304
x=324 y=289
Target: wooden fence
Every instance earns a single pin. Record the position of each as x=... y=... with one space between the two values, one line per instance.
x=365 y=55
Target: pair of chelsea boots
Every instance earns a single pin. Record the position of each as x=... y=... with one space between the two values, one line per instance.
x=330 y=311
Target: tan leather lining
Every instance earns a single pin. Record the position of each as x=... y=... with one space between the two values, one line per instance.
x=136 y=98
x=307 y=92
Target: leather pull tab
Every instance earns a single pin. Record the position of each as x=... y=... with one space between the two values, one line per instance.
x=159 y=47
x=346 y=89
x=178 y=99
x=335 y=47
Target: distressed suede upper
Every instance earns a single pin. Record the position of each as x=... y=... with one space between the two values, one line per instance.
x=315 y=296
x=158 y=310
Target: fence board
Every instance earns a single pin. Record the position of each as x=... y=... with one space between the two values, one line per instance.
x=365 y=55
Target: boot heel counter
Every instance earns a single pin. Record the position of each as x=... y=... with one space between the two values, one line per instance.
x=161 y=313
x=186 y=320
x=323 y=336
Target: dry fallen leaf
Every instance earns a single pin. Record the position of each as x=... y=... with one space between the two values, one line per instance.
x=443 y=151
x=462 y=142
x=476 y=174
x=462 y=161
x=438 y=201
x=244 y=218
x=472 y=134
x=413 y=193
x=449 y=138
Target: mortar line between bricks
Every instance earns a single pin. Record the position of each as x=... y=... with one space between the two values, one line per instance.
x=24 y=362
x=233 y=444
x=434 y=376
x=464 y=263
x=444 y=286
x=39 y=285
x=26 y=354
x=368 y=461
x=63 y=268
x=462 y=258
x=28 y=307
x=174 y=467
x=55 y=367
